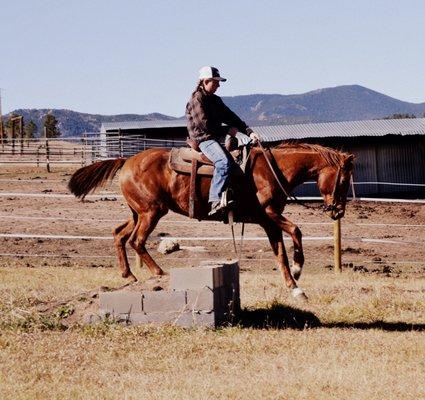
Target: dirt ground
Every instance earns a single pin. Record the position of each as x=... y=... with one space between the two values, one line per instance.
x=403 y=222
x=371 y=316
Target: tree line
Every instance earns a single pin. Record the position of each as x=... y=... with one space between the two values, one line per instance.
x=49 y=127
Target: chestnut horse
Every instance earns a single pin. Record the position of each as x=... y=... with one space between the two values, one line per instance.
x=151 y=188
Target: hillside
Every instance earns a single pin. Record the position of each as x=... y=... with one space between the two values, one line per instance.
x=73 y=123
x=341 y=103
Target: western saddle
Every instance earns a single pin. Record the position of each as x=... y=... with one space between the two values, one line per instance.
x=190 y=160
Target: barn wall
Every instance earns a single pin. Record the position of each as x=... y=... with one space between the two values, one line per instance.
x=389 y=159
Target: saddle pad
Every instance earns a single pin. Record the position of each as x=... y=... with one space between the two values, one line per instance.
x=180 y=161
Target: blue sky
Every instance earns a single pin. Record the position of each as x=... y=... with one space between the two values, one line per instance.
x=113 y=57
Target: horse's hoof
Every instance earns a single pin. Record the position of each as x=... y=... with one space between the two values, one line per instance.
x=296 y=271
x=299 y=295
x=129 y=276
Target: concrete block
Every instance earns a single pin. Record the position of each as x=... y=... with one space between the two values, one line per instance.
x=194 y=278
x=185 y=319
x=137 y=319
x=163 y=301
x=193 y=319
x=203 y=299
x=120 y=302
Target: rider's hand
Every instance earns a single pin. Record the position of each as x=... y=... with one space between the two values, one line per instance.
x=254 y=137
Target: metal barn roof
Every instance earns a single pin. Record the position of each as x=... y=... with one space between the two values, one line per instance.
x=159 y=123
x=411 y=126
x=270 y=133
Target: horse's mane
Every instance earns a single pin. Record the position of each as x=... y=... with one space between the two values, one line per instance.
x=332 y=157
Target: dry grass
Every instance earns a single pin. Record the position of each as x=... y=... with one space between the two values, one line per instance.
x=366 y=347
x=370 y=344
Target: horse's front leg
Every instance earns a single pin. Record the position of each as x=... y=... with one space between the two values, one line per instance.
x=274 y=233
x=292 y=230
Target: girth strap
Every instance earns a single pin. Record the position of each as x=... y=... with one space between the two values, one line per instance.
x=192 y=188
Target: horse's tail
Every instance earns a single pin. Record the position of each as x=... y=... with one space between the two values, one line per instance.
x=88 y=179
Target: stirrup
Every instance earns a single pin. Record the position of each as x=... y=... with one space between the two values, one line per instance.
x=226 y=200
x=216 y=207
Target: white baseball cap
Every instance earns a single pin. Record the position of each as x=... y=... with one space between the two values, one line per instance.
x=210 y=73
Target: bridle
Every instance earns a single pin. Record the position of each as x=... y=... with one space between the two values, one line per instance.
x=332 y=207
x=326 y=208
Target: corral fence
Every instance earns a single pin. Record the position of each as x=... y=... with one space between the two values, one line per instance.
x=92 y=147
x=88 y=148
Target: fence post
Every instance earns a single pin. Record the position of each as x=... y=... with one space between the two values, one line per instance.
x=38 y=156
x=337 y=246
x=120 y=143
x=92 y=153
x=82 y=150
x=352 y=187
x=47 y=155
x=21 y=134
x=13 y=136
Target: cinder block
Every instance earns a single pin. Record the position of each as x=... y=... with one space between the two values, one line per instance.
x=185 y=319
x=193 y=319
x=164 y=301
x=202 y=300
x=121 y=302
x=137 y=319
x=153 y=318
x=194 y=278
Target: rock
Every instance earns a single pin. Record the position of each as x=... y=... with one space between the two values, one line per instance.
x=89 y=319
x=167 y=246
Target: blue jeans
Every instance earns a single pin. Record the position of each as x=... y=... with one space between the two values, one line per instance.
x=222 y=164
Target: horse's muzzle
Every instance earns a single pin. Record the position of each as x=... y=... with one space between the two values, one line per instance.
x=333 y=211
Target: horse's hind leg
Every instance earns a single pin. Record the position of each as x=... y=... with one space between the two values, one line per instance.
x=145 y=225
x=121 y=235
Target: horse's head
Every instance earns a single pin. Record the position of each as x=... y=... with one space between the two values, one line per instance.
x=333 y=182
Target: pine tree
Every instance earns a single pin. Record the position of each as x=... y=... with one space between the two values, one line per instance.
x=30 y=130
x=51 y=125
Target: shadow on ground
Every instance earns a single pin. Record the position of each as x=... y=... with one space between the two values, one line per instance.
x=280 y=316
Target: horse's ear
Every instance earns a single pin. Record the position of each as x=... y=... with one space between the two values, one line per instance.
x=349 y=159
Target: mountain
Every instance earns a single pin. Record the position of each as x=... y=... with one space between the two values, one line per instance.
x=341 y=103
x=73 y=123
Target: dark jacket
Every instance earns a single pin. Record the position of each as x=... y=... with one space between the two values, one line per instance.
x=205 y=114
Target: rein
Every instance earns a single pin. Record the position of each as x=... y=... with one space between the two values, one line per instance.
x=269 y=155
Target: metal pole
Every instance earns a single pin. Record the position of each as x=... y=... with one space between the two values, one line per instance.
x=120 y=143
x=337 y=246
x=21 y=129
x=13 y=135
x=84 y=142
x=47 y=150
x=1 y=125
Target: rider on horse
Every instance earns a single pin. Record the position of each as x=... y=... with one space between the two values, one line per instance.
x=205 y=113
